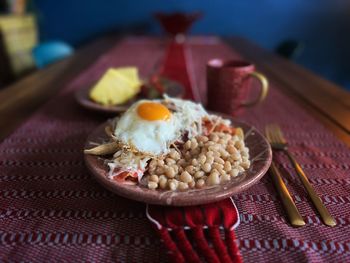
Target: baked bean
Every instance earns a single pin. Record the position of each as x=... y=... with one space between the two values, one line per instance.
x=245 y=164
x=222 y=141
x=245 y=152
x=210 y=160
x=160 y=162
x=195 y=152
x=173 y=184
x=181 y=162
x=200 y=183
x=239 y=144
x=174 y=155
x=221 y=134
x=240 y=134
x=153 y=178
x=187 y=145
x=188 y=156
x=219 y=160
x=206 y=167
x=195 y=162
x=202 y=138
x=228 y=137
x=152 y=185
x=234 y=138
x=194 y=143
x=151 y=169
x=224 y=153
x=236 y=156
x=159 y=170
x=224 y=178
x=202 y=158
x=198 y=174
x=169 y=172
x=231 y=149
x=176 y=168
x=216 y=154
x=209 y=143
x=192 y=184
x=209 y=154
x=214 y=137
x=214 y=148
x=181 y=169
x=222 y=172
x=213 y=178
x=190 y=169
x=162 y=182
x=182 y=186
x=235 y=164
x=170 y=161
x=185 y=177
x=217 y=166
x=234 y=172
x=227 y=166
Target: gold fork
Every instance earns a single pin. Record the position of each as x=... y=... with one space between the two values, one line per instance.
x=279 y=143
x=293 y=214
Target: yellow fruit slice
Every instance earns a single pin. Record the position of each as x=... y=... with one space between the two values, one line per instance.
x=116 y=86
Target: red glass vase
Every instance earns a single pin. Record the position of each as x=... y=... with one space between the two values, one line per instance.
x=177 y=23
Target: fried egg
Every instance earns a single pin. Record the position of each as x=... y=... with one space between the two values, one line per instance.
x=150 y=127
x=147 y=126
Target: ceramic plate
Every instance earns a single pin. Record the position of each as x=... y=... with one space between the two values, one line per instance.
x=173 y=89
x=260 y=156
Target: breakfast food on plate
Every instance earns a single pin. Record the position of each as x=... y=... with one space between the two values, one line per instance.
x=173 y=144
x=117 y=86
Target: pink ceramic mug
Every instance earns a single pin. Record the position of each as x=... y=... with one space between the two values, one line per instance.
x=229 y=85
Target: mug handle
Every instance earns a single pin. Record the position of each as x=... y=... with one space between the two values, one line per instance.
x=264 y=89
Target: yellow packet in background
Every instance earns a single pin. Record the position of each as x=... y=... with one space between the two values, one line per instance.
x=117 y=86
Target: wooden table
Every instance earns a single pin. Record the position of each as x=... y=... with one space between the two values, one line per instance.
x=324 y=100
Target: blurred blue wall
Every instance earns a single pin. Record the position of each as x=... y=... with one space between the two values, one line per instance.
x=323 y=25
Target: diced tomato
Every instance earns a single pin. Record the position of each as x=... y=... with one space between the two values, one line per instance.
x=225 y=128
x=126 y=176
x=219 y=128
x=156 y=82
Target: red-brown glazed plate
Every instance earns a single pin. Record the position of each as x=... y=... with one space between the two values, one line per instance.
x=260 y=156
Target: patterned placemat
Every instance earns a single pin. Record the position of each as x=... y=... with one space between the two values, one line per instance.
x=52 y=210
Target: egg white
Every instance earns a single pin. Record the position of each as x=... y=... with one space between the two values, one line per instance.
x=152 y=137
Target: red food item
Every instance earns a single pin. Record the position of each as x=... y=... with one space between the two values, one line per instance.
x=209 y=127
x=156 y=82
x=125 y=176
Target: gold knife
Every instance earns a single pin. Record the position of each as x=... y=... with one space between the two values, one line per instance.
x=292 y=211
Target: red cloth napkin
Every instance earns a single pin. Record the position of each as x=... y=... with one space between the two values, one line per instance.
x=182 y=230
x=172 y=223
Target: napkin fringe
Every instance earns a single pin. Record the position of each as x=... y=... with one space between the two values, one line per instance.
x=159 y=225
x=218 y=243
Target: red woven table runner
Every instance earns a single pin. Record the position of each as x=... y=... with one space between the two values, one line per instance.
x=183 y=229
x=51 y=208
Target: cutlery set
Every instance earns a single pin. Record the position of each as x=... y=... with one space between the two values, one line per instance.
x=279 y=144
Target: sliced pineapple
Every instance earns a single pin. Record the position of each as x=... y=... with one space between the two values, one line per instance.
x=116 y=86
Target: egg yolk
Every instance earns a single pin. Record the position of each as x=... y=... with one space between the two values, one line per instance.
x=152 y=111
